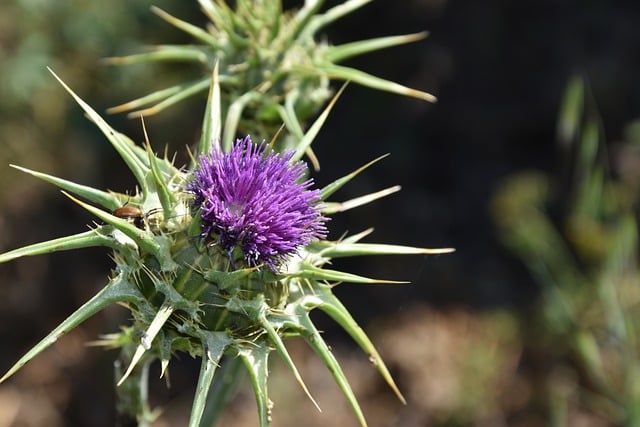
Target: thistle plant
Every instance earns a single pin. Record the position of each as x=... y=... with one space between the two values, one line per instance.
x=223 y=259
x=273 y=68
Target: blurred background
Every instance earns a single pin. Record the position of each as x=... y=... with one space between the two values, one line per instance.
x=528 y=165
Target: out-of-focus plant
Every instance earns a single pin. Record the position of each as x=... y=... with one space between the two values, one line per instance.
x=227 y=256
x=273 y=67
x=578 y=235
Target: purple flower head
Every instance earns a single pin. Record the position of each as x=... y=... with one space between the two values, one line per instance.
x=256 y=200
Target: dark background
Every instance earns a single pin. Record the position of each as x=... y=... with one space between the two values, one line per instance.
x=498 y=68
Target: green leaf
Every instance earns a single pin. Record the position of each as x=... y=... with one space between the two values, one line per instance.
x=107 y=200
x=148 y=99
x=224 y=386
x=354 y=238
x=234 y=113
x=88 y=239
x=165 y=165
x=590 y=175
x=332 y=207
x=302 y=145
x=328 y=190
x=319 y=346
x=228 y=279
x=589 y=352
x=163 y=53
x=309 y=271
x=571 y=111
x=337 y=311
x=118 y=290
x=299 y=21
x=165 y=195
x=288 y=115
x=184 y=91
x=256 y=360
x=348 y=50
x=212 y=123
x=214 y=345
x=321 y=20
x=618 y=264
x=341 y=249
x=147 y=338
x=217 y=12
x=282 y=351
x=188 y=28
x=365 y=79
x=142 y=238
x=138 y=169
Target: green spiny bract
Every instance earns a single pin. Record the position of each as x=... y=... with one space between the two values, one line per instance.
x=181 y=292
x=273 y=70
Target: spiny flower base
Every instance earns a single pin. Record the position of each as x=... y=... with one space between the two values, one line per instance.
x=180 y=288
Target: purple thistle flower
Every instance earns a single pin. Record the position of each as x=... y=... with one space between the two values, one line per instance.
x=255 y=200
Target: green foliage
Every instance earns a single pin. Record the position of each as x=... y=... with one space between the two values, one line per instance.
x=586 y=262
x=182 y=295
x=273 y=68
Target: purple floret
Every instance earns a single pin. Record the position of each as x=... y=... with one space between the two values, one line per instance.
x=254 y=199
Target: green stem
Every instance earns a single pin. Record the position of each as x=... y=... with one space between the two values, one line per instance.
x=223 y=390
